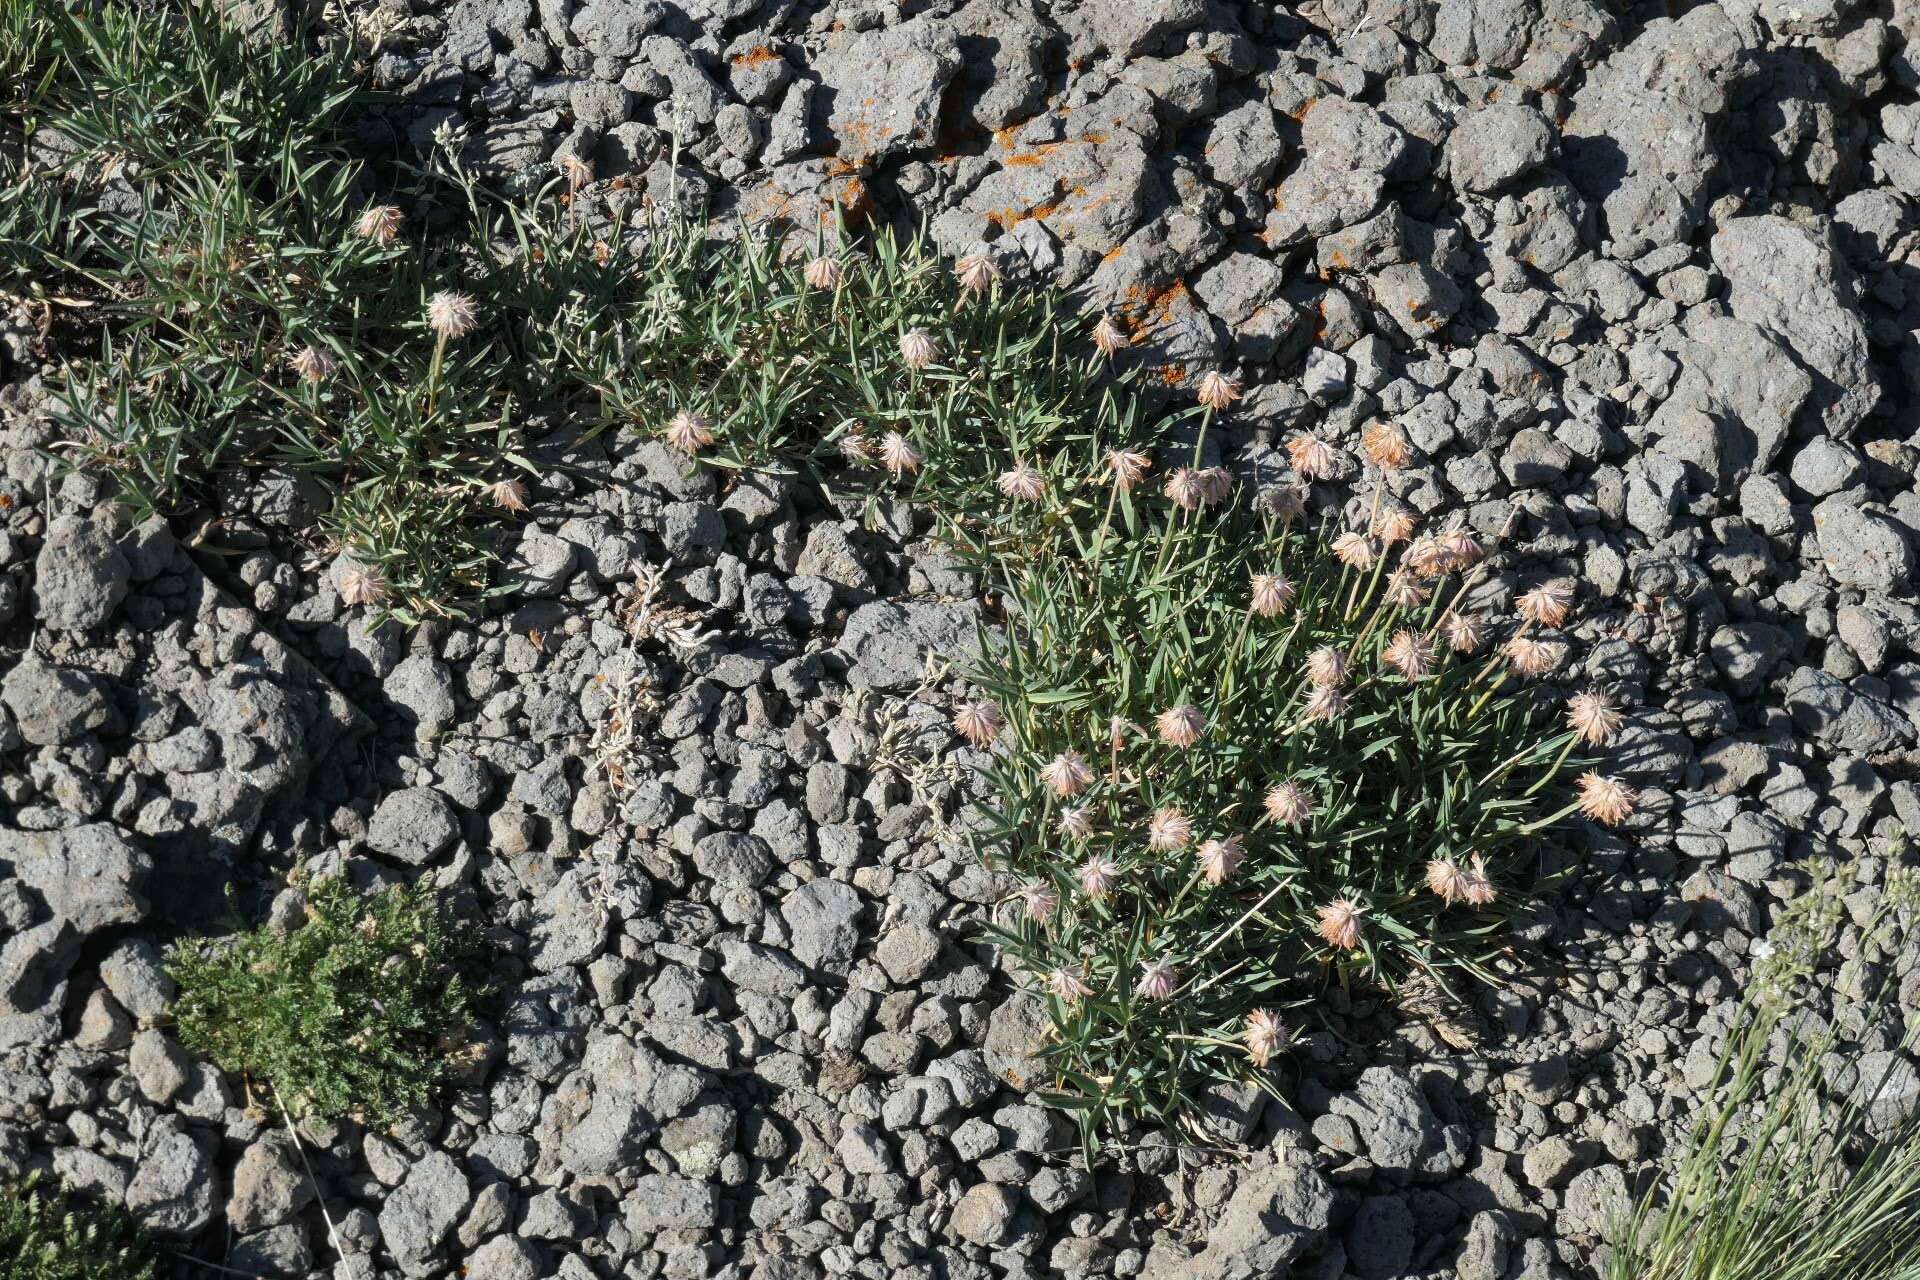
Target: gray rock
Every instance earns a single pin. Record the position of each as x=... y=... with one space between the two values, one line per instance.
x=1825 y=467
x=413 y=826
x=423 y=689
x=269 y=1187
x=1380 y=1239
x=669 y=1202
x=1128 y=28
x=1595 y=1202
x=1886 y=1086
x=1416 y=297
x=1398 y=1125
x=52 y=705
x=80 y=574
x=888 y=644
x=1787 y=278
x=88 y=876
x=505 y=1258
x=1490 y=1240
x=416 y=1217
x=880 y=91
x=159 y=1066
x=984 y=1214
x=1549 y=1163
x=823 y=923
x=281 y=1251
x=175 y=1186
x=1492 y=145
x=1279 y=1213
x=1863 y=547
x=1843 y=719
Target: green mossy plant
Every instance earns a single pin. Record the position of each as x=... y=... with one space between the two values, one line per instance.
x=47 y=1234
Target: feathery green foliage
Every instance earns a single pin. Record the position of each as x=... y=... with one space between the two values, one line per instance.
x=1804 y=1160
x=364 y=1009
x=46 y=1234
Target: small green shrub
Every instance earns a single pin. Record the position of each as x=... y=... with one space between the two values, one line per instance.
x=363 y=1010
x=1803 y=1162
x=46 y=1234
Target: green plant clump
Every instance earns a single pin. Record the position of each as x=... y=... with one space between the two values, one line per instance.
x=1803 y=1162
x=46 y=1234
x=363 y=1010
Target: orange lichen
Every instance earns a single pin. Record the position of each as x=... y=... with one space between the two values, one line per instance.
x=754 y=57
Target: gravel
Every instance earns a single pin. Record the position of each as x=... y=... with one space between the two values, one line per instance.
x=1635 y=286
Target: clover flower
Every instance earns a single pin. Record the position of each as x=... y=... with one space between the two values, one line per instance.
x=1313 y=458
x=1465 y=632
x=1098 y=875
x=1355 y=550
x=689 y=432
x=978 y=721
x=1127 y=467
x=1547 y=604
x=1185 y=489
x=1530 y=657
x=1169 y=829
x=508 y=495
x=918 y=349
x=1593 y=716
x=1157 y=980
x=1039 y=900
x=1265 y=1035
x=1022 y=484
x=1394 y=526
x=1607 y=801
x=1067 y=774
x=1385 y=446
x=362 y=584
x=380 y=224
x=1288 y=803
x=976 y=273
x=1076 y=822
x=1180 y=726
x=452 y=314
x=1219 y=859
x=1326 y=666
x=824 y=272
x=1108 y=336
x=312 y=365
x=1216 y=390
x=1324 y=704
x=898 y=455
x=1409 y=654
x=1287 y=502
x=1340 y=923
x=1272 y=593
x=1068 y=984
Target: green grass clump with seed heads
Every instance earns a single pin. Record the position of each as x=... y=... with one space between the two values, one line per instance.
x=1803 y=1162
x=362 y=1010
x=46 y=1234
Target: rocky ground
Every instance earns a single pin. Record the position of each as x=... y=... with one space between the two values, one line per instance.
x=1634 y=281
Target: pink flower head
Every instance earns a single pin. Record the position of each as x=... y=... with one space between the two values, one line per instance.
x=1067 y=774
x=1394 y=526
x=1326 y=666
x=1216 y=485
x=1217 y=390
x=362 y=584
x=1465 y=632
x=1108 y=336
x=978 y=721
x=1219 y=859
x=918 y=349
x=1097 y=876
x=1385 y=445
x=1340 y=923
x=1547 y=604
x=1272 y=593
x=898 y=455
x=1409 y=654
x=1076 y=822
x=1185 y=489
x=1023 y=484
x=1039 y=900
x=1607 y=801
x=1530 y=657
x=1068 y=984
x=313 y=365
x=1324 y=704
x=1426 y=557
x=1265 y=1036
x=976 y=273
x=1288 y=803
x=1593 y=716
x=1462 y=547
x=1446 y=879
x=1180 y=726
x=689 y=432
x=824 y=272
x=1404 y=591
x=508 y=495
x=380 y=224
x=1157 y=980
x=451 y=314
x=1354 y=550
x=1168 y=829
x=1288 y=502
x=1127 y=467
x=1477 y=886
x=1313 y=458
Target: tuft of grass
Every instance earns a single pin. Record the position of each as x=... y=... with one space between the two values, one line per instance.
x=363 y=1010
x=46 y=1234
x=1803 y=1162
